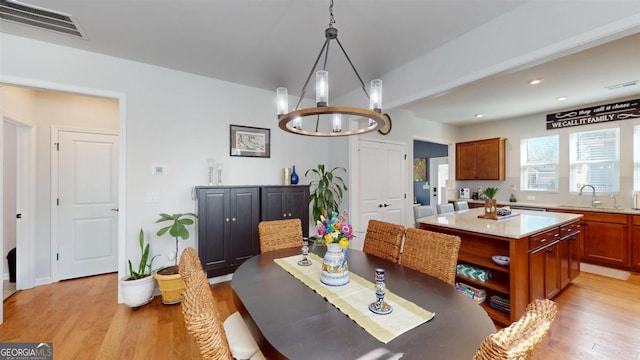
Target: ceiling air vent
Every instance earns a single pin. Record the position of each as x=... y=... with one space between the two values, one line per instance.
x=34 y=16
x=622 y=85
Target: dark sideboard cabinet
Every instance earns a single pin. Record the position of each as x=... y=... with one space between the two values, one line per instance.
x=285 y=202
x=228 y=218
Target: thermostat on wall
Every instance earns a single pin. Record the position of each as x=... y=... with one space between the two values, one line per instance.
x=159 y=169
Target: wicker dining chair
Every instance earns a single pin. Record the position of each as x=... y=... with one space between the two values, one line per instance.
x=519 y=339
x=216 y=339
x=432 y=253
x=383 y=240
x=280 y=234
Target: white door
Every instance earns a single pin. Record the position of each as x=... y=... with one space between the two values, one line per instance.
x=438 y=176
x=381 y=184
x=87 y=208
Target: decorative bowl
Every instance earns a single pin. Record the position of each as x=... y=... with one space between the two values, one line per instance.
x=501 y=260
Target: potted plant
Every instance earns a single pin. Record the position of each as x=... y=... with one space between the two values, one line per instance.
x=169 y=280
x=490 y=203
x=137 y=288
x=326 y=191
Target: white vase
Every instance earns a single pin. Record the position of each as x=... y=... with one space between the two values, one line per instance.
x=335 y=268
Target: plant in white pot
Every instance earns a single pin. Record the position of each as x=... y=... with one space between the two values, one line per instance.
x=169 y=280
x=137 y=288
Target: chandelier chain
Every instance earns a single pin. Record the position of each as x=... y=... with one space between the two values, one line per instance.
x=332 y=20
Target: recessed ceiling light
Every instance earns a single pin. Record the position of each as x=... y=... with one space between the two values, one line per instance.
x=536 y=81
x=562 y=98
x=478 y=115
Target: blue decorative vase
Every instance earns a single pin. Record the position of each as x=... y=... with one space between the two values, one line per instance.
x=294 y=176
x=335 y=268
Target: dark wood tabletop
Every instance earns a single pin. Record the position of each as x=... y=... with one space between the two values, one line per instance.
x=291 y=321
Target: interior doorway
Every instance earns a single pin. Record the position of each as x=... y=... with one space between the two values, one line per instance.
x=9 y=203
x=423 y=186
x=438 y=177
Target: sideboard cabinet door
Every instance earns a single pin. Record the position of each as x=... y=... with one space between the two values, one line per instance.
x=227 y=227
x=286 y=202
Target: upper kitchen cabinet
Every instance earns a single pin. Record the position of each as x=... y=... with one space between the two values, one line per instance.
x=481 y=159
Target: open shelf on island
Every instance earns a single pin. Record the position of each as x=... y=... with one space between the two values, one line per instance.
x=492 y=284
x=483 y=261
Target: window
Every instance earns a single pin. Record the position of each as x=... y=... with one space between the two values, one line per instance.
x=594 y=159
x=539 y=163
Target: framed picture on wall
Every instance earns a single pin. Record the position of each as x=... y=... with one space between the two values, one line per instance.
x=420 y=169
x=249 y=141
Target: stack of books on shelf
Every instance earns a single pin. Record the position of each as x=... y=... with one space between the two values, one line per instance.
x=500 y=303
x=477 y=295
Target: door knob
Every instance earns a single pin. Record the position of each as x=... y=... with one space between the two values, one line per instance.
x=116 y=209
x=385 y=205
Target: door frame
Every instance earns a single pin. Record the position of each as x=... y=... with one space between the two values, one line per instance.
x=55 y=211
x=434 y=174
x=122 y=165
x=25 y=203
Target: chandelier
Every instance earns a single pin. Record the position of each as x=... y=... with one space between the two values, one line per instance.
x=329 y=119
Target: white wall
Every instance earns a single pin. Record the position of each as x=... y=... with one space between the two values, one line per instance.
x=535 y=125
x=172 y=118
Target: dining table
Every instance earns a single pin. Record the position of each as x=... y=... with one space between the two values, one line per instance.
x=289 y=320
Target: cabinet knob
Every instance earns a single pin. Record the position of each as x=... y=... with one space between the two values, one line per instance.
x=233 y=219
x=549 y=250
x=289 y=214
x=227 y=219
x=284 y=215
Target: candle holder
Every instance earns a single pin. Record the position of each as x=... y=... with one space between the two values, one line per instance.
x=219 y=173
x=211 y=163
x=380 y=307
x=305 y=253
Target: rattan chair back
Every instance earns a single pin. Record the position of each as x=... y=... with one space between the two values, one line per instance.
x=519 y=339
x=280 y=234
x=432 y=253
x=199 y=309
x=383 y=240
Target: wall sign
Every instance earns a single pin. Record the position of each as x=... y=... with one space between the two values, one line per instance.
x=604 y=113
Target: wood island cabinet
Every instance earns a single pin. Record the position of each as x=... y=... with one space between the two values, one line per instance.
x=542 y=264
x=481 y=159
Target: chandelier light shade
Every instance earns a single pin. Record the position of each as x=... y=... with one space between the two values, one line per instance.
x=328 y=120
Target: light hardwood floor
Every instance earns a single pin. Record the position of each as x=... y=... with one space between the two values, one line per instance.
x=598 y=318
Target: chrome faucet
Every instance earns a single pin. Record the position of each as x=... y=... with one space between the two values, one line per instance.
x=593 y=194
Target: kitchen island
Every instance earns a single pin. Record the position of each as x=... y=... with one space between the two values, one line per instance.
x=544 y=250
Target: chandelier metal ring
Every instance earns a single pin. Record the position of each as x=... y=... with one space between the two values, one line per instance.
x=378 y=120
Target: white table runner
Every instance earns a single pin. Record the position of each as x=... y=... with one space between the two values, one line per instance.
x=354 y=298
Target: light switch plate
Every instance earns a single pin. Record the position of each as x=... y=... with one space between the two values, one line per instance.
x=153 y=197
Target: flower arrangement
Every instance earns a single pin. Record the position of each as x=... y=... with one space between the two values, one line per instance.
x=335 y=229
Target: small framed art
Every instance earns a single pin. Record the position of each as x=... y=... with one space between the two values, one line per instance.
x=249 y=141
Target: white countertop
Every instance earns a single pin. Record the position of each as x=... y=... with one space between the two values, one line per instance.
x=605 y=209
x=527 y=223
